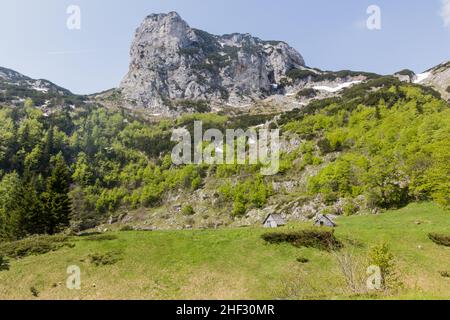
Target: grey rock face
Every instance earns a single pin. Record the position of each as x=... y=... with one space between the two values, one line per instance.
x=439 y=79
x=175 y=68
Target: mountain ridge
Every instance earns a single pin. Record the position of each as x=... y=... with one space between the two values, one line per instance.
x=172 y=61
x=176 y=69
x=13 y=77
x=16 y=88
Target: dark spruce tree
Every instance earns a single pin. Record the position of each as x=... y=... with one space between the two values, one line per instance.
x=30 y=216
x=57 y=201
x=48 y=149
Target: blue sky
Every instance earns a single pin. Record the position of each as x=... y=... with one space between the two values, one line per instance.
x=330 y=34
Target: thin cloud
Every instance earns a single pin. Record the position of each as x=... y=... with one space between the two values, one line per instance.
x=445 y=12
x=68 y=52
x=360 y=24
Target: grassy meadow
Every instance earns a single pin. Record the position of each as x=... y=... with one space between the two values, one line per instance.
x=238 y=264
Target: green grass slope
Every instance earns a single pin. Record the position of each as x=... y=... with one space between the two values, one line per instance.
x=238 y=264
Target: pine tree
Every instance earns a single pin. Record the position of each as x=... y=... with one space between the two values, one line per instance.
x=29 y=217
x=10 y=192
x=24 y=138
x=48 y=148
x=57 y=200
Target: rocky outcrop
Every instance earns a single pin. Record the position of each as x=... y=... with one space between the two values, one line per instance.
x=175 y=68
x=438 y=78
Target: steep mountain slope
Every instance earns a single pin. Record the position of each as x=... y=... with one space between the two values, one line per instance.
x=438 y=78
x=172 y=62
x=176 y=69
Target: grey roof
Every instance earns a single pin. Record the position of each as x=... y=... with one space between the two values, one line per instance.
x=277 y=217
x=324 y=217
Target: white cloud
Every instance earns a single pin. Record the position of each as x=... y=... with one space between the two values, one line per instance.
x=360 y=24
x=68 y=52
x=445 y=12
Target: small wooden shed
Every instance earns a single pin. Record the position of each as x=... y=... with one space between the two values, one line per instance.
x=324 y=220
x=274 y=221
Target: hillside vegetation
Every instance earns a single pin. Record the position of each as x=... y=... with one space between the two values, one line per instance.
x=381 y=145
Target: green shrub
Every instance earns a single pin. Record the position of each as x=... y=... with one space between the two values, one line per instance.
x=448 y=89
x=189 y=51
x=126 y=228
x=200 y=106
x=325 y=146
x=239 y=208
x=101 y=237
x=35 y=292
x=349 y=208
x=319 y=239
x=381 y=256
x=406 y=72
x=4 y=263
x=196 y=183
x=35 y=245
x=246 y=121
x=188 y=210
x=247 y=194
x=444 y=274
x=440 y=239
x=302 y=260
x=106 y=259
x=307 y=93
x=295 y=74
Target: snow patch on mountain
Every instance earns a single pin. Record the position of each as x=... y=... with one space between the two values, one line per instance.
x=338 y=88
x=422 y=77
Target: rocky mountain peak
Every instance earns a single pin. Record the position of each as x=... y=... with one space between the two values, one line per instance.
x=165 y=29
x=175 y=68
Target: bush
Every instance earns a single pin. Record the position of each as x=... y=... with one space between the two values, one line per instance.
x=444 y=274
x=106 y=259
x=440 y=239
x=35 y=292
x=381 y=257
x=199 y=106
x=406 y=72
x=251 y=193
x=188 y=211
x=4 y=263
x=448 y=89
x=126 y=228
x=307 y=93
x=350 y=208
x=319 y=239
x=101 y=237
x=295 y=74
x=35 y=245
x=325 y=146
x=302 y=260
